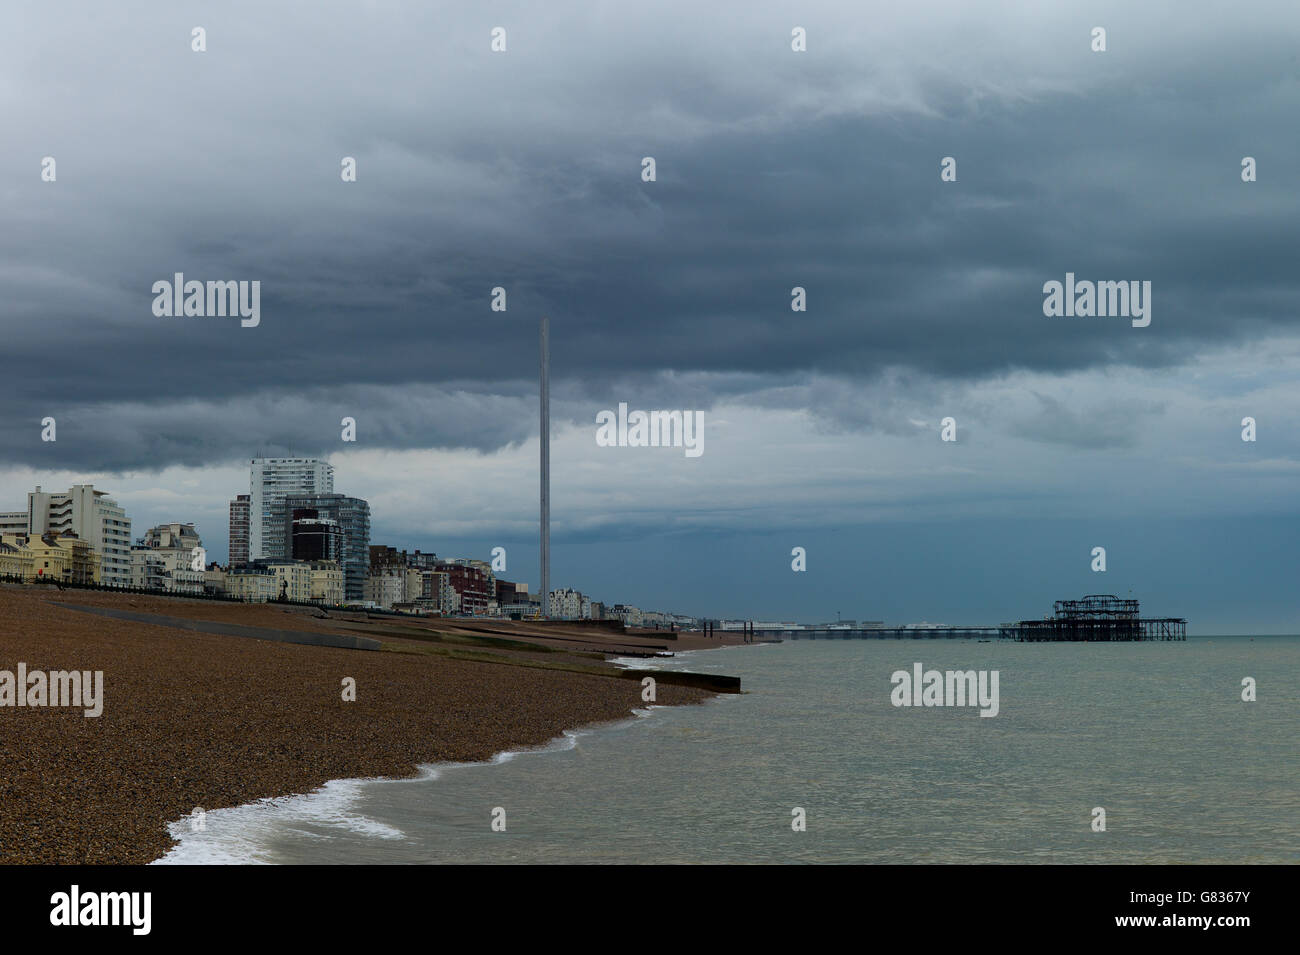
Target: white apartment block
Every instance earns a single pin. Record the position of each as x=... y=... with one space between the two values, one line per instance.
x=255 y=585
x=566 y=604
x=386 y=586
x=631 y=616
x=170 y=570
x=271 y=480
x=90 y=514
x=166 y=559
x=390 y=585
x=173 y=536
x=148 y=569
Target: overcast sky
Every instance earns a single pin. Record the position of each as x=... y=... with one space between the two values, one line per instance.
x=775 y=169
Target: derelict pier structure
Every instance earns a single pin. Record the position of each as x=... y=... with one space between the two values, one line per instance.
x=1097 y=618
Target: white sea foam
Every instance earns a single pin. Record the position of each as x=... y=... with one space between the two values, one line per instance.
x=239 y=835
x=243 y=835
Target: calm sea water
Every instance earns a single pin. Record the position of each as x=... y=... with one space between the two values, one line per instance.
x=1155 y=733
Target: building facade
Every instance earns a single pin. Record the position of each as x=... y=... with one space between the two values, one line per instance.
x=214 y=580
x=148 y=569
x=631 y=616
x=473 y=582
x=566 y=604
x=239 y=511
x=326 y=582
x=64 y=558
x=392 y=584
x=271 y=480
x=509 y=593
x=89 y=514
x=312 y=537
x=351 y=515
x=169 y=557
x=293 y=579
x=253 y=584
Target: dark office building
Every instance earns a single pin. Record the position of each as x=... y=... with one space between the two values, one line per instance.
x=351 y=516
x=239 y=531
x=314 y=537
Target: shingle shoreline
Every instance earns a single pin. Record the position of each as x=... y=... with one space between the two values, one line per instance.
x=193 y=719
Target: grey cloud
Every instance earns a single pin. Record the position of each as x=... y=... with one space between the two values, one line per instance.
x=523 y=171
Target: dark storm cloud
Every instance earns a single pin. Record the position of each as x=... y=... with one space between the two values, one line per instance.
x=523 y=171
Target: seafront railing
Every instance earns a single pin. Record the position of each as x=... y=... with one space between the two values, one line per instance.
x=55 y=584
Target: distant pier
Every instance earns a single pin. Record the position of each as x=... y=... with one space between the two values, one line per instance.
x=885 y=633
x=1097 y=618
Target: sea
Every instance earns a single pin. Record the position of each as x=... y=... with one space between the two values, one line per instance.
x=813 y=762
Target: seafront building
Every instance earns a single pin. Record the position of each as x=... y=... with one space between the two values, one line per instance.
x=523 y=610
x=148 y=569
x=91 y=515
x=566 y=604
x=629 y=615
x=252 y=584
x=164 y=559
x=348 y=520
x=301 y=581
x=473 y=582
x=313 y=537
x=510 y=592
x=214 y=580
x=326 y=584
x=271 y=480
x=64 y=558
x=410 y=582
x=291 y=537
x=239 y=511
x=389 y=585
x=293 y=579
x=426 y=583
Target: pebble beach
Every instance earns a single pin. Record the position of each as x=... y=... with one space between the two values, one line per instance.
x=200 y=720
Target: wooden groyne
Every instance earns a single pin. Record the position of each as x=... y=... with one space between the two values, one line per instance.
x=714 y=682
